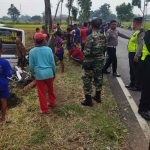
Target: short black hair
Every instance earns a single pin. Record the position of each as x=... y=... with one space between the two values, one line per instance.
x=75 y=25
x=58 y=33
x=68 y=29
x=113 y=21
x=40 y=42
x=1 y=46
x=18 y=33
x=37 y=29
x=85 y=24
x=89 y=23
x=96 y=23
x=57 y=24
x=73 y=45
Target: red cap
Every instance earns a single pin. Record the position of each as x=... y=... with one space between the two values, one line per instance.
x=39 y=36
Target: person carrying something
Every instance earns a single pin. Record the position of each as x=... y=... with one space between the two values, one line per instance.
x=144 y=105
x=112 y=38
x=5 y=71
x=59 y=50
x=21 y=51
x=76 y=54
x=42 y=65
x=77 y=39
x=83 y=35
x=93 y=63
x=69 y=41
x=135 y=46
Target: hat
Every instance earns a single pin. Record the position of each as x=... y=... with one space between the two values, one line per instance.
x=138 y=19
x=39 y=36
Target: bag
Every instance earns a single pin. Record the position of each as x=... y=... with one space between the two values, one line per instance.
x=88 y=65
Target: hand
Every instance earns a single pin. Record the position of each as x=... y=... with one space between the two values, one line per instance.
x=32 y=78
x=136 y=59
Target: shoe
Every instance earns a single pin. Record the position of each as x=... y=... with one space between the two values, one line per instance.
x=106 y=72
x=144 y=114
x=87 y=101
x=97 y=97
x=128 y=86
x=116 y=75
x=135 y=89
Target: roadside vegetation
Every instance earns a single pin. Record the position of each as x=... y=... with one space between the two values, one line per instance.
x=69 y=126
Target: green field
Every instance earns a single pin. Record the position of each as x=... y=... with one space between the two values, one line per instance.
x=146 y=26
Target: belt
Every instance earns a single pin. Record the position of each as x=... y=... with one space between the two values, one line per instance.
x=112 y=46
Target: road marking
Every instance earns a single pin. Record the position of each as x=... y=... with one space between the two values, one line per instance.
x=134 y=107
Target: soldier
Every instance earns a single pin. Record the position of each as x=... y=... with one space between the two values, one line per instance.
x=135 y=46
x=144 y=105
x=93 y=63
x=112 y=38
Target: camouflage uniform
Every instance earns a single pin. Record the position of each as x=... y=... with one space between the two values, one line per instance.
x=94 y=52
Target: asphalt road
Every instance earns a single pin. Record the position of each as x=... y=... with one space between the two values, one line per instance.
x=136 y=137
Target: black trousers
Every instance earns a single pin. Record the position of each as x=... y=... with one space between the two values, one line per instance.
x=134 y=72
x=112 y=59
x=82 y=46
x=145 y=76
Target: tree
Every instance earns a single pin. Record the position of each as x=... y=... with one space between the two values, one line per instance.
x=74 y=12
x=13 y=12
x=85 y=7
x=69 y=6
x=104 y=11
x=48 y=16
x=124 y=12
x=36 y=17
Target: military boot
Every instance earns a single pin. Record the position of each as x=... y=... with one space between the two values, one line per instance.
x=97 y=97
x=87 y=101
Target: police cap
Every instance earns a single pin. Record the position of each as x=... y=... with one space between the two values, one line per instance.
x=138 y=19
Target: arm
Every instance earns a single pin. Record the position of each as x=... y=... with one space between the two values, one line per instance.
x=140 y=47
x=31 y=63
x=78 y=34
x=88 y=46
x=8 y=70
x=123 y=35
x=108 y=34
x=53 y=64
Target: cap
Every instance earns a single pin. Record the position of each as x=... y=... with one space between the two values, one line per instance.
x=138 y=19
x=39 y=36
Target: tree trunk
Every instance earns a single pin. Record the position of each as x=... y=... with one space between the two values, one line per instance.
x=56 y=11
x=61 y=14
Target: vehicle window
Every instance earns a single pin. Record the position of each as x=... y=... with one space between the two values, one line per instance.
x=8 y=36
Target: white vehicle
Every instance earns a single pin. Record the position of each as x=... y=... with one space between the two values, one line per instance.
x=8 y=38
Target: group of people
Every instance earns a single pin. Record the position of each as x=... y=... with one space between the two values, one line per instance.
x=94 y=41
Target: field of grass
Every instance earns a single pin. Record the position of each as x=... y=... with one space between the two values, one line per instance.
x=147 y=25
x=69 y=126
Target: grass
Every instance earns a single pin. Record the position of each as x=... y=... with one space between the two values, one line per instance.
x=69 y=126
x=147 y=25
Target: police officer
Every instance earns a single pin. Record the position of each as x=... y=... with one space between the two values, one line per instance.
x=93 y=63
x=112 y=38
x=135 y=46
x=144 y=105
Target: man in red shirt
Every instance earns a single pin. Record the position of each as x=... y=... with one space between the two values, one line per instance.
x=76 y=54
x=83 y=35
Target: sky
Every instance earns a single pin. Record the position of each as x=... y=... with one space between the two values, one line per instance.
x=36 y=7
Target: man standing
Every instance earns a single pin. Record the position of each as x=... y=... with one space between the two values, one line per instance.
x=20 y=50
x=93 y=63
x=42 y=64
x=112 y=38
x=83 y=36
x=135 y=46
x=77 y=35
x=144 y=105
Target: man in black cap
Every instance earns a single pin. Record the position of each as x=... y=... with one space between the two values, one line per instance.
x=144 y=105
x=135 y=46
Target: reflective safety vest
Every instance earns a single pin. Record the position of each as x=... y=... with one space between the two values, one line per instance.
x=133 y=42
x=145 y=52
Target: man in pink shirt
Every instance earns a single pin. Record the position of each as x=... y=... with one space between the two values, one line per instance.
x=83 y=35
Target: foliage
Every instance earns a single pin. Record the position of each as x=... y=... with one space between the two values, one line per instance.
x=36 y=17
x=124 y=12
x=104 y=13
x=85 y=7
x=13 y=12
x=74 y=12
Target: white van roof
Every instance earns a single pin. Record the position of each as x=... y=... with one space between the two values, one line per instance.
x=11 y=28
